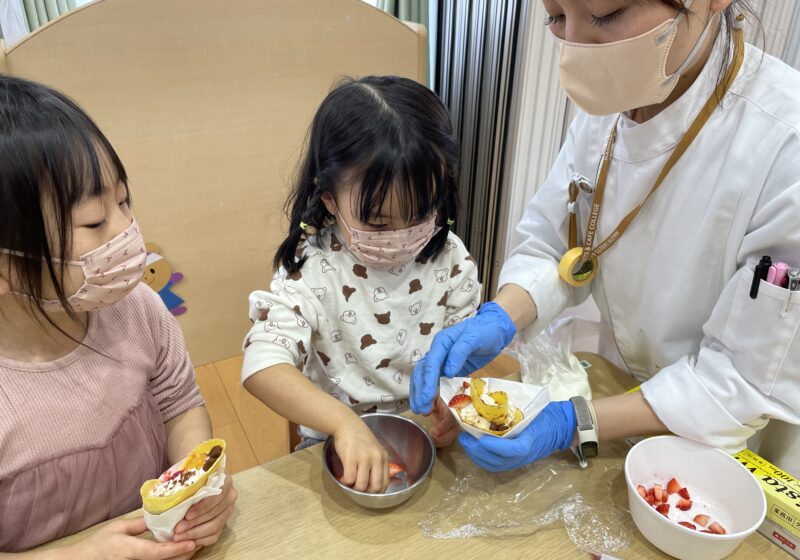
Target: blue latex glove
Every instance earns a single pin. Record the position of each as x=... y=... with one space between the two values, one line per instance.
x=552 y=430
x=459 y=350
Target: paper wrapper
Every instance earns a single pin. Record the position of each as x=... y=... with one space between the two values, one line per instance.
x=530 y=399
x=163 y=525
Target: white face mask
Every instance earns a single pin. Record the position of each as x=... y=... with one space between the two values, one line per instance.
x=110 y=272
x=608 y=78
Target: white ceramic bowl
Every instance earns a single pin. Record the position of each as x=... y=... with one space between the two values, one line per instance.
x=711 y=476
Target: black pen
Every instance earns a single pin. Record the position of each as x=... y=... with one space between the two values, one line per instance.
x=762 y=269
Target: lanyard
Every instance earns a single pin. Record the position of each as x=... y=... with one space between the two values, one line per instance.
x=579 y=264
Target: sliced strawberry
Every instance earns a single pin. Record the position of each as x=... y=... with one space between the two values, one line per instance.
x=663 y=509
x=642 y=491
x=650 y=500
x=701 y=519
x=465 y=385
x=459 y=401
x=650 y=493
x=684 y=493
x=658 y=490
x=688 y=525
x=716 y=528
x=664 y=497
x=395 y=469
x=684 y=504
x=673 y=486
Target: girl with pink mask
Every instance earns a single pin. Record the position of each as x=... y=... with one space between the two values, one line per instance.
x=368 y=273
x=97 y=393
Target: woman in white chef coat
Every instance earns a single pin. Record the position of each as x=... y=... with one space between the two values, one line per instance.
x=680 y=118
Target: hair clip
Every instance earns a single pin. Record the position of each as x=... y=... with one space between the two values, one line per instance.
x=304 y=226
x=450 y=222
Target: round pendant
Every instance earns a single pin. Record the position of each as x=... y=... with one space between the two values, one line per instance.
x=574 y=270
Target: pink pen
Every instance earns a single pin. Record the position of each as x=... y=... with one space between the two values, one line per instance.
x=781 y=272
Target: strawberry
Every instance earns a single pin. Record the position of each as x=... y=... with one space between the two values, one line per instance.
x=684 y=493
x=716 y=529
x=663 y=509
x=673 y=486
x=701 y=519
x=651 y=493
x=664 y=497
x=650 y=500
x=684 y=504
x=687 y=525
x=459 y=401
x=395 y=469
x=657 y=491
x=465 y=385
x=642 y=491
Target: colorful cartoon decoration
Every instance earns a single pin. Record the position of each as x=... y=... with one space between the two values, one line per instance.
x=159 y=276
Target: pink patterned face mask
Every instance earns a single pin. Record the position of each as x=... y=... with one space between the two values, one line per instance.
x=385 y=249
x=110 y=272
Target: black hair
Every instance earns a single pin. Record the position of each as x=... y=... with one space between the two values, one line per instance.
x=389 y=135
x=51 y=156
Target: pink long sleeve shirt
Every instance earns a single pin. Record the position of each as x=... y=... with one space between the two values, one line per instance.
x=80 y=434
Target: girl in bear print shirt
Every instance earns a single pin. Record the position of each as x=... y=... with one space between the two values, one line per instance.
x=368 y=274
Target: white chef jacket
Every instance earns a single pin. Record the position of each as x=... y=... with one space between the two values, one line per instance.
x=716 y=365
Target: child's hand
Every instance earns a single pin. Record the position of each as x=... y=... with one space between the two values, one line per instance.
x=445 y=428
x=365 y=461
x=205 y=520
x=118 y=541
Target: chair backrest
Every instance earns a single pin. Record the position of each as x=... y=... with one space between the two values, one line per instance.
x=208 y=103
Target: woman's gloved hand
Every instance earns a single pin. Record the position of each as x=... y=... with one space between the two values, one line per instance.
x=459 y=350
x=552 y=430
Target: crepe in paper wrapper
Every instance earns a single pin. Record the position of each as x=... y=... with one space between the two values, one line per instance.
x=497 y=407
x=167 y=499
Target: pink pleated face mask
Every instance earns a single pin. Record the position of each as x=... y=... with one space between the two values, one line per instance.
x=385 y=249
x=110 y=272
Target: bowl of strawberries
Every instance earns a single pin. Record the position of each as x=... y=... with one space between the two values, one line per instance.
x=692 y=501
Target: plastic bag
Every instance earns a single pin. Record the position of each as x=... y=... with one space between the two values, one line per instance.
x=590 y=503
x=547 y=358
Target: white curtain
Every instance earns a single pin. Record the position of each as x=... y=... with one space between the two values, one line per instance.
x=791 y=53
x=13 y=22
x=40 y=12
x=418 y=11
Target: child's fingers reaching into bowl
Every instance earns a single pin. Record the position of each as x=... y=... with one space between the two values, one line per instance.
x=444 y=428
x=365 y=461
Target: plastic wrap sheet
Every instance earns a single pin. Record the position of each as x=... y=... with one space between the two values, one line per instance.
x=591 y=504
x=547 y=358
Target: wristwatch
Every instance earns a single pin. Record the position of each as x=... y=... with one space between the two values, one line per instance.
x=586 y=430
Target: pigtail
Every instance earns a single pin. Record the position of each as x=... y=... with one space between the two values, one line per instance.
x=307 y=215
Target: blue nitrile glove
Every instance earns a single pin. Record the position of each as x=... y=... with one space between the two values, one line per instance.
x=459 y=350
x=551 y=430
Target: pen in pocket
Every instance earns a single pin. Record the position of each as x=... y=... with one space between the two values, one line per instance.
x=761 y=273
x=793 y=285
x=781 y=273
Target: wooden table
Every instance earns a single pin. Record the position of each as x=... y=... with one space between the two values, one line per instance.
x=288 y=509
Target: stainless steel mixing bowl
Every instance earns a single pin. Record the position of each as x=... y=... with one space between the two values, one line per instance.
x=408 y=444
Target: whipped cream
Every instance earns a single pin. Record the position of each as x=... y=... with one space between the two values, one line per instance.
x=176 y=482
